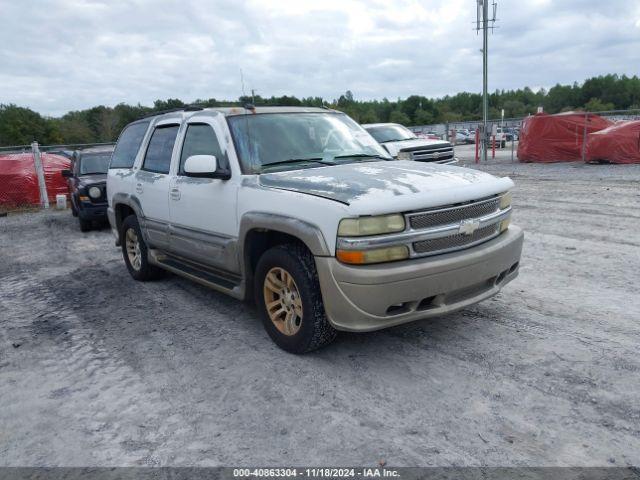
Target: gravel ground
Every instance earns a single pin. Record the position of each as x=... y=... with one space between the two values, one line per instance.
x=96 y=369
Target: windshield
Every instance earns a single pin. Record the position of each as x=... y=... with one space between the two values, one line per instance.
x=391 y=133
x=94 y=163
x=277 y=141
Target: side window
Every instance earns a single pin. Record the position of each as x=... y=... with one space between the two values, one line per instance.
x=200 y=139
x=129 y=142
x=158 y=156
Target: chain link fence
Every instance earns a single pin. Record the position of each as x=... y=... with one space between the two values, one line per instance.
x=464 y=132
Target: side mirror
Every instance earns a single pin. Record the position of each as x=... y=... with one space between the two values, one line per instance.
x=66 y=173
x=204 y=166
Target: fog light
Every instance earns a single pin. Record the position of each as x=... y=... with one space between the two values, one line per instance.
x=378 y=255
x=504 y=225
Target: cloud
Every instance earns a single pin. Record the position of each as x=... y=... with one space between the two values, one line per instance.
x=73 y=54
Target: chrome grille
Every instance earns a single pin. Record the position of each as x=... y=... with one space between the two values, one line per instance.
x=457 y=241
x=436 y=153
x=451 y=215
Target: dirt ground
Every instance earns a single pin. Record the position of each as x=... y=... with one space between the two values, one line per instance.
x=96 y=369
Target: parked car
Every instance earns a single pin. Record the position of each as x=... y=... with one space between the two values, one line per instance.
x=87 y=182
x=303 y=211
x=512 y=134
x=428 y=135
x=463 y=137
x=402 y=144
x=501 y=138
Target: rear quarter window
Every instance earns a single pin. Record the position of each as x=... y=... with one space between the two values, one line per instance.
x=128 y=144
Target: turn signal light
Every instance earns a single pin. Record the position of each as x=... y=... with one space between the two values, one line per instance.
x=378 y=255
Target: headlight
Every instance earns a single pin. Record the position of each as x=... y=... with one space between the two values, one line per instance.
x=505 y=201
x=95 y=192
x=363 y=226
x=404 y=156
x=378 y=255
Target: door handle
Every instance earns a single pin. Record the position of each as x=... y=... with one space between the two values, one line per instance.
x=138 y=187
x=174 y=194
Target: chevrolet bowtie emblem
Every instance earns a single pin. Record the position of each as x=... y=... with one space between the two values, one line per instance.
x=467 y=227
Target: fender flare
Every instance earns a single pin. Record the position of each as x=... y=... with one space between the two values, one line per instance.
x=132 y=202
x=308 y=233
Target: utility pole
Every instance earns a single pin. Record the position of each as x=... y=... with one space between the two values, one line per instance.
x=484 y=22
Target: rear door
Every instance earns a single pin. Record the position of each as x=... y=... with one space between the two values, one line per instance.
x=203 y=210
x=152 y=182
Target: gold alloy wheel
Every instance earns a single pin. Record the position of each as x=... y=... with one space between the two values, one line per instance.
x=283 y=302
x=133 y=249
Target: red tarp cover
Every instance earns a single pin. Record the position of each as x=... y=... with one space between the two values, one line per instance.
x=556 y=138
x=19 y=182
x=619 y=143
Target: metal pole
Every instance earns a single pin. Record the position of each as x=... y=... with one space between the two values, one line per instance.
x=485 y=65
x=513 y=142
x=584 y=137
x=44 y=197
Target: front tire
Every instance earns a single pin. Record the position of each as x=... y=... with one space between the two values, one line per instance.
x=85 y=225
x=287 y=293
x=134 y=251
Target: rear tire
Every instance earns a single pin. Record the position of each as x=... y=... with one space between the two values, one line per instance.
x=135 y=251
x=287 y=293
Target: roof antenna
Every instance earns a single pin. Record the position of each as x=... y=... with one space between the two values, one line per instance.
x=242 y=82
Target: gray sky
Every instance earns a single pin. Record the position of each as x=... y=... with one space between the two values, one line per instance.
x=63 y=55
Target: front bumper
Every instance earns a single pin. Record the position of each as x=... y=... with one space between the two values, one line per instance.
x=367 y=298
x=92 y=211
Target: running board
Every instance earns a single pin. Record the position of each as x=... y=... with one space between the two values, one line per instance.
x=209 y=277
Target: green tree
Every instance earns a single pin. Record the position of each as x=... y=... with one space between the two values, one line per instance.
x=422 y=117
x=597 y=105
x=400 y=117
x=21 y=126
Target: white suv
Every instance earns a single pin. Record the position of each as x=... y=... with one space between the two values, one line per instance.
x=303 y=211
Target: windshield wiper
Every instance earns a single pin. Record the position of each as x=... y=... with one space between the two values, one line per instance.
x=398 y=139
x=299 y=160
x=361 y=155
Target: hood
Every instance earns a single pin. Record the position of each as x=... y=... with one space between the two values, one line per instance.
x=92 y=179
x=394 y=147
x=389 y=186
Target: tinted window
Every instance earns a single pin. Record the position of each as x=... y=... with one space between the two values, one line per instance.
x=128 y=144
x=200 y=139
x=158 y=157
x=94 y=163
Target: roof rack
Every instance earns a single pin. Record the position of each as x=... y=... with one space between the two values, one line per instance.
x=187 y=108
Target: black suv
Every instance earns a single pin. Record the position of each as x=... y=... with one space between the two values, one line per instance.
x=87 y=181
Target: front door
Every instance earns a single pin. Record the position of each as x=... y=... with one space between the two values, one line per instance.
x=152 y=183
x=203 y=210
